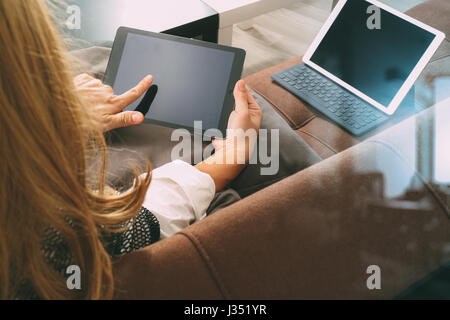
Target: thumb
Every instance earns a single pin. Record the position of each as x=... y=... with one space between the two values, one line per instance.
x=241 y=97
x=126 y=119
x=218 y=143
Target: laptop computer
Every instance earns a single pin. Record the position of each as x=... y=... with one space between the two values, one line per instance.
x=362 y=64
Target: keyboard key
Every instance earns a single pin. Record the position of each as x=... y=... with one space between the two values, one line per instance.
x=362 y=122
x=290 y=76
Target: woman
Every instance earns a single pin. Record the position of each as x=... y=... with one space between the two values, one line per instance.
x=55 y=207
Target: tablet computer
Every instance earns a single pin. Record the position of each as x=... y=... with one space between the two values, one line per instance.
x=193 y=80
x=374 y=51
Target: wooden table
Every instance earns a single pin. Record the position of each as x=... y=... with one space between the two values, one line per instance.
x=233 y=12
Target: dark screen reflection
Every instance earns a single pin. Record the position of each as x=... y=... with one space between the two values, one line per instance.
x=376 y=62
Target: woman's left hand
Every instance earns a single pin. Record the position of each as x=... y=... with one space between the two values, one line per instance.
x=245 y=119
x=107 y=107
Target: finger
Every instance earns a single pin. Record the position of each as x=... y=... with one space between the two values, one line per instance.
x=253 y=106
x=241 y=97
x=108 y=89
x=218 y=143
x=102 y=90
x=125 y=119
x=132 y=95
x=251 y=99
x=94 y=83
x=82 y=79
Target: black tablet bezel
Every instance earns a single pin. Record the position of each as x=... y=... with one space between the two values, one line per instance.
x=235 y=75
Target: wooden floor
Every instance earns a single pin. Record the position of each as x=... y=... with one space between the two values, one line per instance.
x=286 y=33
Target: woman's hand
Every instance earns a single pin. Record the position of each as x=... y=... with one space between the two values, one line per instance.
x=107 y=107
x=234 y=152
x=244 y=120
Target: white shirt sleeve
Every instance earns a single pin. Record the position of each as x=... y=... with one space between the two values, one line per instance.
x=178 y=196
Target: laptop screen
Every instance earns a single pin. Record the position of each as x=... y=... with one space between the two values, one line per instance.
x=373 y=53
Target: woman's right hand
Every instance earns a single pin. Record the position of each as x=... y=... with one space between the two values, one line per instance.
x=106 y=106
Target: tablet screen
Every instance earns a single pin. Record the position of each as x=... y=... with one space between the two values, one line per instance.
x=374 y=59
x=190 y=82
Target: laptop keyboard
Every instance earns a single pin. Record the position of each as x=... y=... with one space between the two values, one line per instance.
x=343 y=107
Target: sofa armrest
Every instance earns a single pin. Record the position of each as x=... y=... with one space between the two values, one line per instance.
x=169 y=270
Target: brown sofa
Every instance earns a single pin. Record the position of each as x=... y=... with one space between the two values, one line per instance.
x=314 y=234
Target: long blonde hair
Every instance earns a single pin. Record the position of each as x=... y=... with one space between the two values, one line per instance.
x=46 y=137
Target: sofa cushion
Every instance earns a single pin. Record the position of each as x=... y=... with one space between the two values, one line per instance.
x=326 y=136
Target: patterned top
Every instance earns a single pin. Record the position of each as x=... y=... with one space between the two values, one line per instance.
x=145 y=230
